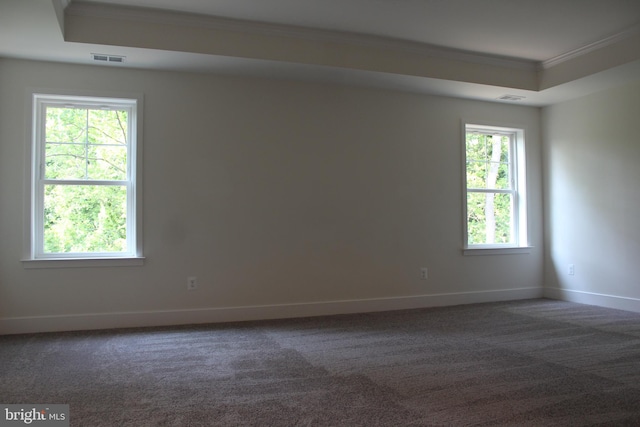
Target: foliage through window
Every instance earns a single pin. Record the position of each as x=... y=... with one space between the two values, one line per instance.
x=84 y=183
x=495 y=192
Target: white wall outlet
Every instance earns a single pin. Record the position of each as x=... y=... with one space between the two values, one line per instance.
x=424 y=273
x=192 y=283
x=572 y=270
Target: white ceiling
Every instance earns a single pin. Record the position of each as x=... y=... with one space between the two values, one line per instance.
x=530 y=32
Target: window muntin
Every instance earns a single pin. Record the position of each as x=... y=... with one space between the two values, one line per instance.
x=495 y=205
x=84 y=177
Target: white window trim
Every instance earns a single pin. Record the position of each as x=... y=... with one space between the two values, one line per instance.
x=521 y=245
x=32 y=257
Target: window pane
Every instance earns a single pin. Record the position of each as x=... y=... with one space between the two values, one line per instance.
x=107 y=127
x=65 y=161
x=84 y=218
x=107 y=162
x=488 y=158
x=505 y=151
x=89 y=144
x=487 y=175
x=498 y=176
x=476 y=174
x=497 y=148
x=65 y=124
x=476 y=147
x=489 y=218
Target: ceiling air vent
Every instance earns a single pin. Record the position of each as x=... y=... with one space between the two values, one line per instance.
x=511 y=98
x=99 y=57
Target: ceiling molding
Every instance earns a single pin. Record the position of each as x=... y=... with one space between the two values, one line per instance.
x=166 y=17
x=607 y=41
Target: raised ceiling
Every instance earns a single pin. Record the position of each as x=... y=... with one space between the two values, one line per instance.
x=537 y=30
x=544 y=50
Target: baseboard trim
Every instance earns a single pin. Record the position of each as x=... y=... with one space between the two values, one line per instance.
x=593 y=298
x=90 y=321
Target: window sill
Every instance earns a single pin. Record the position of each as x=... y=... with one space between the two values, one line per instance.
x=497 y=251
x=82 y=262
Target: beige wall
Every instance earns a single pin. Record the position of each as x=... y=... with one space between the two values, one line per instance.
x=592 y=171
x=273 y=193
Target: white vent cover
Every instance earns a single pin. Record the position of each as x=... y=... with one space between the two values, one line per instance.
x=511 y=98
x=99 y=57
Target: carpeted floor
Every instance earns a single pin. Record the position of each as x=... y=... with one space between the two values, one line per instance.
x=521 y=363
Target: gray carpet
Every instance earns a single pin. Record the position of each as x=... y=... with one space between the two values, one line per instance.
x=521 y=363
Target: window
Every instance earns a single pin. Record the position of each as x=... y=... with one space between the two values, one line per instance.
x=84 y=189
x=495 y=192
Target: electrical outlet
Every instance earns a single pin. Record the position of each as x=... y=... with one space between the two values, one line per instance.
x=424 y=273
x=192 y=283
x=572 y=270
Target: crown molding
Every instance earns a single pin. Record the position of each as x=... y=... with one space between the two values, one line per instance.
x=583 y=50
x=175 y=18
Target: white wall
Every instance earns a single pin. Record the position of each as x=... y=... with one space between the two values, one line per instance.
x=592 y=173
x=283 y=198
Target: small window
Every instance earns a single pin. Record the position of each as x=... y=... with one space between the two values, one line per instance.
x=495 y=192
x=84 y=188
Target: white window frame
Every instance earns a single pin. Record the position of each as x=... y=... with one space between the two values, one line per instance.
x=34 y=255
x=518 y=190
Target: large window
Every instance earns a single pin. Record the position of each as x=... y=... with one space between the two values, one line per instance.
x=495 y=199
x=84 y=201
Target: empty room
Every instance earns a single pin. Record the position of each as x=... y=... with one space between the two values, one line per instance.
x=319 y=212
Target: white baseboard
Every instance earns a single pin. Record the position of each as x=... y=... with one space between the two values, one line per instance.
x=18 y=325
x=592 y=298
